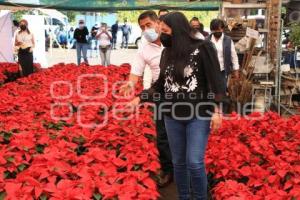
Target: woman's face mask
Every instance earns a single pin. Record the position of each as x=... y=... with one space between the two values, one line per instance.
x=166 y=40
x=150 y=35
x=23 y=27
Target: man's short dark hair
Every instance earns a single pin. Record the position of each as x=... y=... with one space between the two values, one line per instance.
x=149 y=13
x=216 y=24
x=163 y=10
x=195 y=19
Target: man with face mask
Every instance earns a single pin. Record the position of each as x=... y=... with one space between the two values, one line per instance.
x=80 y=35
x=227 y=55
x=149 y=54
x=196 y=28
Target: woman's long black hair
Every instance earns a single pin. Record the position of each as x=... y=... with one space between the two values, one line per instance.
x=179 y=53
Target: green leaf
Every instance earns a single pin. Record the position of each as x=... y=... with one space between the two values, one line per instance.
x=79 y=140
x=295 y=34
x=43 y=197
x=40 y=148
x=6 y=136
x=102 y=111
x=10 y=175
x=2 y=195
x=10 y=159
x=22 y=167
x=97 y=196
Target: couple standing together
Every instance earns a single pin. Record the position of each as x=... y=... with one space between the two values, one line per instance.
x=185 y=72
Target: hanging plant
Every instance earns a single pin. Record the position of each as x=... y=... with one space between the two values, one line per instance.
x=295 y=34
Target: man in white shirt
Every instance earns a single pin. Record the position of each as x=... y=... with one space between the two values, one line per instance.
x=149 y=54
x=227 y=55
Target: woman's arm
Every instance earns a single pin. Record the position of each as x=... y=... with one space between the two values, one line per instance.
x=17 y=43
x=33 y=42
x=156 y=92
x=109 y=35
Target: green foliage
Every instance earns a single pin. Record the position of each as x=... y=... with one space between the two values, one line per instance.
x=71 y=16
x=295 y=34
x=18 y=15
x=130 y=16
x=204 y=16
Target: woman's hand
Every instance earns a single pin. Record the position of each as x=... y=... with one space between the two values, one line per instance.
x=216 y=121
x=134 y=103
x=18 y=43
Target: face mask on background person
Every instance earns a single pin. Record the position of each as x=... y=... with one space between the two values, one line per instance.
x=166 y=40
x=81 y=25
x=23 y=27
x=217 y=34
x=150 y=35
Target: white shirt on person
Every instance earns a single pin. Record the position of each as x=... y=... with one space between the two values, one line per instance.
x=104 y=39
x=219 y=46
x=26 y=39
x=199 y=36
x=148 y=54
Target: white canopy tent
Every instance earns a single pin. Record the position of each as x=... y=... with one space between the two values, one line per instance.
x=6 y=35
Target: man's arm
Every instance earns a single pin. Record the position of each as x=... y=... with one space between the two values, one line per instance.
x=235 y=61
x=137 y=71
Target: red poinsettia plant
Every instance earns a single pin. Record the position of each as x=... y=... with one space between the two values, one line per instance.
x=45 y=153
x=62 y=137
x=256 y=158
x=11 y=71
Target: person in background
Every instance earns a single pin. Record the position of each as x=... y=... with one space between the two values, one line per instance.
x=189 y=74
x=114 y=32
x=47 y=41
x=80 y=35
x=229 y=62
x=195 y=25
x=104 y=38
x=24 y=42
x=15 y=27
x=149 y=55
x=62 y=37
x=162 y=12
x=94 y=41
x=71 y=40
x=126 y=31
x=202 y=31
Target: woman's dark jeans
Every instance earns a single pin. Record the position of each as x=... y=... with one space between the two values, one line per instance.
x=188 y=141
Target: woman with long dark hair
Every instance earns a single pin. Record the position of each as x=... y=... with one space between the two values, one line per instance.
x=24 y=42
x=190 y=90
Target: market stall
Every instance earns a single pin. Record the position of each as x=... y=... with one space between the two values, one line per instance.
x=255 y=26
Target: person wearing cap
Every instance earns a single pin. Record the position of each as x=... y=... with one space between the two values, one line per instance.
x=80 y=35
x=24 y=42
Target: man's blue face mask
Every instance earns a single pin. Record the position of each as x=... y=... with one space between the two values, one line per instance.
x=150 y=35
